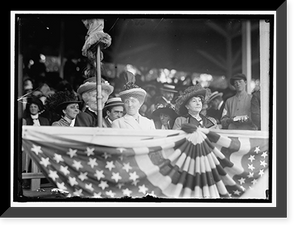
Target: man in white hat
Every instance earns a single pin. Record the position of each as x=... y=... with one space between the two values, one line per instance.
x=113 y=109
x=87 y=91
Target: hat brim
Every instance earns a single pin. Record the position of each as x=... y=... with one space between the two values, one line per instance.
x=86 y=87
x=63 y=104
x=183 y=99
x=106 y=107
x=215 y=96
x=167 y=111
x=236 y=78
x=91 y=86
x=168 y=90
x=138 y=93
x=114 y=105
x=108 y=88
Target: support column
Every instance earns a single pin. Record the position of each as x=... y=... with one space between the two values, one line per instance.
x=264 y=32
x=246 y=52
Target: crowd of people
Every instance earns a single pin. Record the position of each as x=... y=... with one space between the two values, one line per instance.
x=131 y=104
x=145 y=107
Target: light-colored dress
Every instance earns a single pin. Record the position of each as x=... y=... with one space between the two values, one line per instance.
x=64 y=122
x=129 y=122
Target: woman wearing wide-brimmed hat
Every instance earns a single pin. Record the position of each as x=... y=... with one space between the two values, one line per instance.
x=87 y=91
x=189 y=105
x=166 y=116
x=133 y=98
x=66 y=105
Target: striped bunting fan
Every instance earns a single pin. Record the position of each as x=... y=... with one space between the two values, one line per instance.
x=197 y=163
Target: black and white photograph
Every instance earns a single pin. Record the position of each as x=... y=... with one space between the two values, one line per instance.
x=144 y=109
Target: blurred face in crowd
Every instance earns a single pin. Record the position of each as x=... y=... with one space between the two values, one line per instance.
x=43 y=99
x=164 y=118
x=132 y=106
x=143 y=109
x=71 y=110
x=115 y=113
x=34 y=109
x=28 y=86
x=215 y=103
x=168 y=95
x=152 y=92
x=194 y=105
x=240 y=85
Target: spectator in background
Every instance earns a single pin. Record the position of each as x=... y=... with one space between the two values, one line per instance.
x=27 y=90
x=151 y=90
x=87 y=91
x=237 y=109
x=113 y=109
x=188 y=107
x=143 y=110
x=166 y=98
x=38 y=69
x=166 y=117
x=64 y=85
x=133 y=98
x=167 y=95
x=45 y=89
x=205 y=104
x=32 y=112
x=27 y=85
x=216 y=105
x=66 y=105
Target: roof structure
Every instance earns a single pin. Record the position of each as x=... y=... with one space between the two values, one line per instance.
x=199 y=43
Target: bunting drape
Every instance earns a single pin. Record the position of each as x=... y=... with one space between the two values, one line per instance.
x=113 y=163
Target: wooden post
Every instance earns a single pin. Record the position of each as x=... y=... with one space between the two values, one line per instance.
x=264 y=34
x=98 y=83
x=246 y=52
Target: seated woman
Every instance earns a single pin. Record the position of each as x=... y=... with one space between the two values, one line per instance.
x=66 y=105
x=88 y=92
x=189 y=105
x=133 y=98
x=164 y=116
x=34 y=108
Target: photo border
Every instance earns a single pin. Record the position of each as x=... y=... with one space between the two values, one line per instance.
x=280 y=210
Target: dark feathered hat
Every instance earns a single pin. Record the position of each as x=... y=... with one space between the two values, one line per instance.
x=35 y=100
x=165 y=109
x=58 y=101
x=188 y=93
